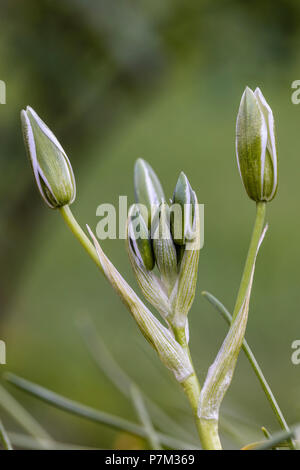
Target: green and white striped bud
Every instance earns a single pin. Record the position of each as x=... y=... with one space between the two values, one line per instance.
x=183 y=293
x=182 y=223
x=175 y=237
x=148 y=190
x=255 y=146
x=164 y=248
x=139 y=237
x=51 y=167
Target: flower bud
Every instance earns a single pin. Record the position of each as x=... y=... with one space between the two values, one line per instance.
x=147 y=188
x=139 y=238
x=183 y=293
x=164 y=248
x=51 y=167
x=255 y=146
x=182 y=222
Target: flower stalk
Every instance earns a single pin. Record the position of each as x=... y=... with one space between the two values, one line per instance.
x=83 y=239
x=251 y=256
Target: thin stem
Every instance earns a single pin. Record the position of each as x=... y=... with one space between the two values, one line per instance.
x=277 y=439
x=144 y=417
x=256 y=234
x=23 y=417
x=258 y=372
x=208 y=429
x=79 y=234
x=27 y=442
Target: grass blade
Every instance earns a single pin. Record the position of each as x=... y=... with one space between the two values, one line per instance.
x=107 y=364
x=90 y=413
x=145 y=418
x=19 y=414
x=23 y=441
x=277 y=439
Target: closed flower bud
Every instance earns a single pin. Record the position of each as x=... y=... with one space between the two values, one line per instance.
x=175 y=237
x=183 y=294
x=139 y=238
x=51 y=167
x=182 y=221
x=164 y=248
x=147 y=188
x=255 y=146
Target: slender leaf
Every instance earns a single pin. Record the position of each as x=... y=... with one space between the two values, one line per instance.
x=107 y=364
x=23 y=441
x=277 y=439
x=28 y=422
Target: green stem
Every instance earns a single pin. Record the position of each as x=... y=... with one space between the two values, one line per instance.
x=79 y=234
x=107 y=365
x=142 y=412
x=207 y=429
x=256 y=234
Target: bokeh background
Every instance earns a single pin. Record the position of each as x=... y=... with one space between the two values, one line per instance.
x=116 y=81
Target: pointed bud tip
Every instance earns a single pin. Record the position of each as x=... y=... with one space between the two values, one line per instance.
x=248 y=96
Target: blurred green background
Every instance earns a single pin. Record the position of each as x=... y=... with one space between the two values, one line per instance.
x=116 y=81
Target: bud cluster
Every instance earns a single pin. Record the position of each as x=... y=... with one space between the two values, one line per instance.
x=165 y=236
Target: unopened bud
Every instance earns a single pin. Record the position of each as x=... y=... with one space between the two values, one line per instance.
x=51 y=167
x=182 y=224
x=255 y=146
x=164 y=248
x=147 y=188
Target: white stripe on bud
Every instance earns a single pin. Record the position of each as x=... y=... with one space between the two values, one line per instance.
x=183 y=294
